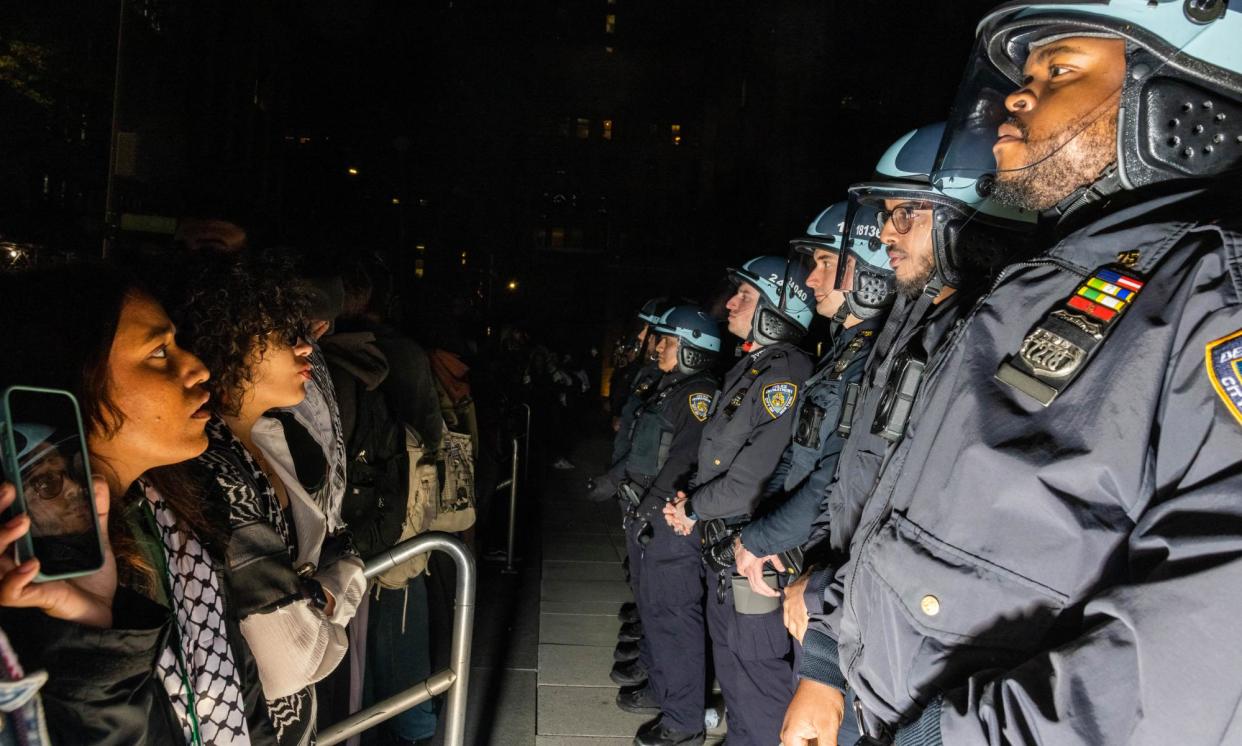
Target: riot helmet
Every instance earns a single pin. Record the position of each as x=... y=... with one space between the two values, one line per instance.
x=698 y=337
x=1180 y=98
x=783 y=312
x=653 y=309
x=969 y=229
x=866 y=275
x=863 y=273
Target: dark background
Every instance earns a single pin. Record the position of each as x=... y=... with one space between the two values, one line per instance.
x=592 y=153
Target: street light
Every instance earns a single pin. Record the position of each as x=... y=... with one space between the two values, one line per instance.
x=352 y=171
x=513 y=285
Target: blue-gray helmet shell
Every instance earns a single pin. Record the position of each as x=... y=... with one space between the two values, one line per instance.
x=698 y=336
x=784 y=311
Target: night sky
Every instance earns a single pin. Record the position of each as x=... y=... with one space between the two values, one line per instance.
x=592 y=152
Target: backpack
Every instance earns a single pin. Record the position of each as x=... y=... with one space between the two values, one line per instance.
x=454 y=508
x=374 y=506
x=419 y=510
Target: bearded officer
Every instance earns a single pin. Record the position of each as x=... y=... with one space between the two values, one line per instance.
x=945 y=245
x=748 y=430
x=1046 y=555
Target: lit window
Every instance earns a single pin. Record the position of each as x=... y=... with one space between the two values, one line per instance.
x=609 y=50
x=558 y=239
x=396 y=200
x=583 y=128
x=610 y=23
x=352 y=171
x=612 y=2
x=420 y=248
x=463 y=258
x=675 y=130
x=420 y=268
x=607 y=125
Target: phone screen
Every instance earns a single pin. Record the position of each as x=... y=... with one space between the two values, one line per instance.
x=54 y=481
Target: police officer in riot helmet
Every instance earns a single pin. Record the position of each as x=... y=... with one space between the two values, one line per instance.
x=945 y=240
x=825 y=408
x=639 y=384
x=613 y=483
x=667 y=429
x=747 y=430
x=1044 y=556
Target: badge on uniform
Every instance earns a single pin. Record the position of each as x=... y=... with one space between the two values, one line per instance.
x=779 y=397
x=1054 y=353
x=1224 y=366
x=700 y=406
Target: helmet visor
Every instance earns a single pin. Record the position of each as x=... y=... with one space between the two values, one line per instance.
x=817 y=261
x=995 y=129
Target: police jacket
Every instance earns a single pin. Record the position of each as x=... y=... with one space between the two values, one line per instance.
x=644 y=380
x=915 y=325
x=665 y=441
x=1063 y=569
x=747 y=431
x=810 y=459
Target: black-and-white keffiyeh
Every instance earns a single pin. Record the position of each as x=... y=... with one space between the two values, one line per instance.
x=321 y=416
x=197 y=606
x=249 y=492
x=252 y=498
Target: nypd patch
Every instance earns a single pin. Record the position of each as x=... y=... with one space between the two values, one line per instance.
x=700 y=406
x=1224 y=367
x=779 y=397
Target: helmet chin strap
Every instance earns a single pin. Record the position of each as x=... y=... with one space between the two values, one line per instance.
x=1081 y=199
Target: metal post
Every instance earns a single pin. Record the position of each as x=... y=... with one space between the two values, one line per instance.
x=526 y=449
x=513 y=493
x=455 y=680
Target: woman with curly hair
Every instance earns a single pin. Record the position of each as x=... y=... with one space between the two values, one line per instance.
x=295 y=586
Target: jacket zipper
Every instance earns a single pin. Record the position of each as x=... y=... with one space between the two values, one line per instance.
x=951 y=342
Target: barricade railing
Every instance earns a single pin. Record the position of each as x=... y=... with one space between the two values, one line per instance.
x=456 y=679
x=519 y=462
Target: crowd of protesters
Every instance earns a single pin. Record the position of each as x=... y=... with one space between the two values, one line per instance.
x=259 y=423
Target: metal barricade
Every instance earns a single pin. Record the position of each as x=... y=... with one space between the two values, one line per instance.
x=456 y=679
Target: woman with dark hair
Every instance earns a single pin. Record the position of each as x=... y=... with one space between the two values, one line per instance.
x=148 y=649
x=295 y=586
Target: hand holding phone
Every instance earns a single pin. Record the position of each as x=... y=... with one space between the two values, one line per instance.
x=86 y=599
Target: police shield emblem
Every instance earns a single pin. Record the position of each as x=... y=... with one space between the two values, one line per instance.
x=700 y=405
x=779 y=397
x=1224 y=367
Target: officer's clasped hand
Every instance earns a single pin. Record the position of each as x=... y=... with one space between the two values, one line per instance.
x=675 y=515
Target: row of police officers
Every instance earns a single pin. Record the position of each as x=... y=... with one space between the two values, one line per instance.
x=1005 y=505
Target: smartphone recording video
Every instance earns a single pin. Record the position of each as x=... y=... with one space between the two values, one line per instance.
x=45 y=457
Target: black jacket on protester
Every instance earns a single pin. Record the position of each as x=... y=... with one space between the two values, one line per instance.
x=102 y=687
x=374 y=507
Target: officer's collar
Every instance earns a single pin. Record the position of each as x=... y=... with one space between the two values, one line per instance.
x=1136 y=227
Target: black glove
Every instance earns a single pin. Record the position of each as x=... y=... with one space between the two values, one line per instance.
x=601 y=488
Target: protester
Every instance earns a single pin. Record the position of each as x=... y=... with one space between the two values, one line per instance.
x=295 y=585
x=120 y=644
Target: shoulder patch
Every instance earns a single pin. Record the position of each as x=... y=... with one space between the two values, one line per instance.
x=1224 y=368
x=700 y=405
x=779 y=397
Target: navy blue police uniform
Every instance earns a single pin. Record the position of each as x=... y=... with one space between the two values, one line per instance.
x=670 y=598
x=748 y=429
